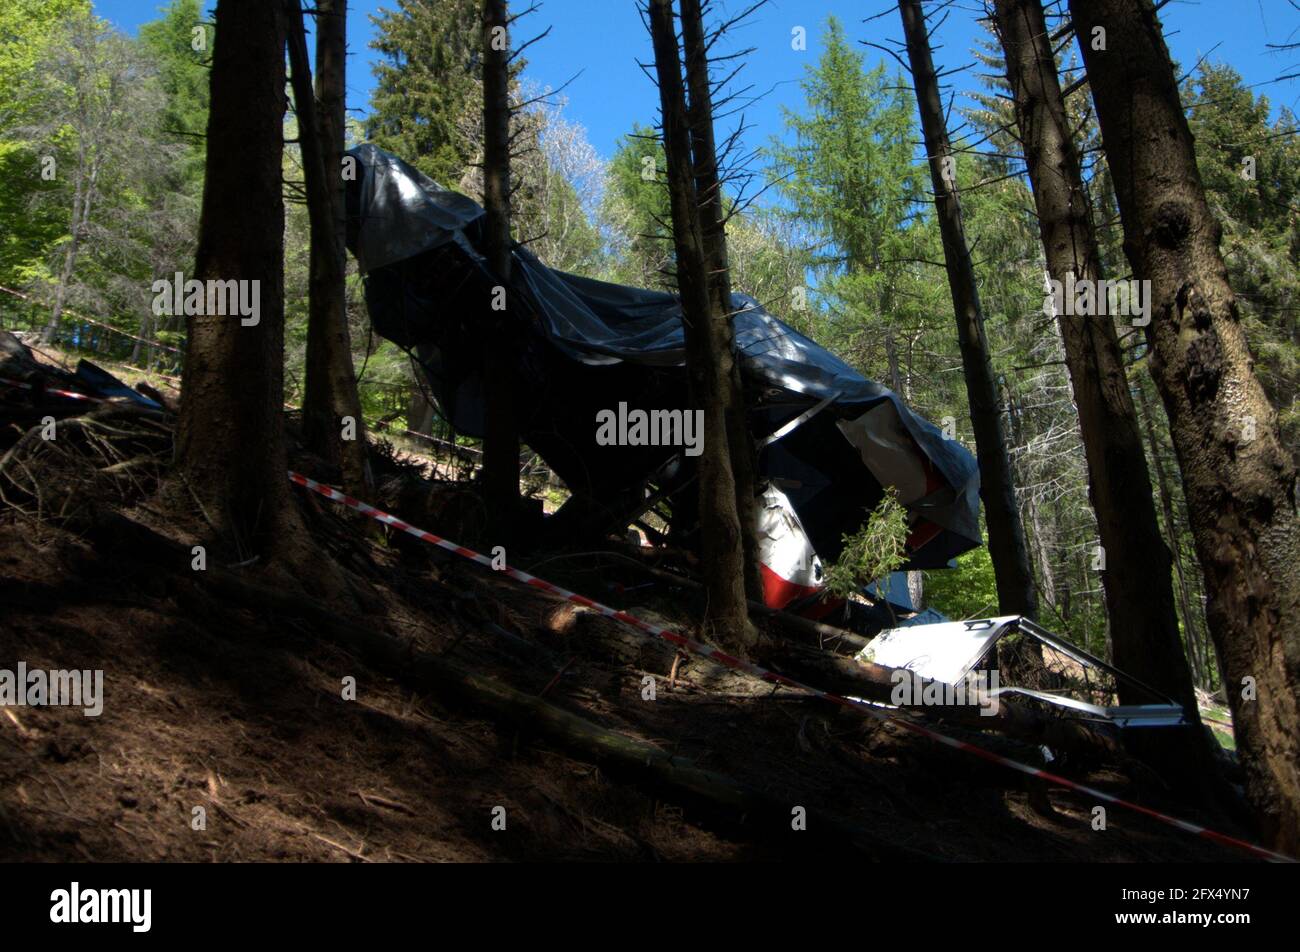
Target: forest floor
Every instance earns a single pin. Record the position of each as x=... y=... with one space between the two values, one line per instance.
x=236 y=706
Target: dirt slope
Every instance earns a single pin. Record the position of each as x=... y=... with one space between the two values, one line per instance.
x=224 y=696
x=210 y=704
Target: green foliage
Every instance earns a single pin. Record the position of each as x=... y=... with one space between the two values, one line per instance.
x=31 y=224
x=636 y=210
x=877 y=548
x=856 y=197
x=848 y=173
x=763 y=251
x=94 y=110
x=850 y=164
x=25 y=28
x=183 y=74
x=425 y=101
x=558 y=184
x=967 y=591
x=569 y=241
x=89 y=158
x=768 y=263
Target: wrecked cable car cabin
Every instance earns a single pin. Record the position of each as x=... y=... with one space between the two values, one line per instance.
x=829 y=440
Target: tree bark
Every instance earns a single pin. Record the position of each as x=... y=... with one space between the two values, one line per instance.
x=1239 y=479
x=708 y=189
x=330 y=384
x=1191 y=618
x=708 y=344
x=230 y=437
x=501 y=434
x=1137 y=571
x=1007 y=548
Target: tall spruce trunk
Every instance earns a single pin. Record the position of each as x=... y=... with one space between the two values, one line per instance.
x=330 y=396
x=230 y=437
x=501 y=434
x=708 y=346
x=1017 y=593
x=1137 y=571
x=708 y=189
x=1238 y=477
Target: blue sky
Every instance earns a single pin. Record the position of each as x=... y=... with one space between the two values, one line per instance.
x=603 y=39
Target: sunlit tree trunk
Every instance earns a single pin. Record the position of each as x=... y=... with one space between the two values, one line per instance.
x=708 y=189
x=708 y=351
x=1238 y=477
x=1136 y=575
x=331 y=408
x=230 y=439
x=501 y=436
x=1017 y=593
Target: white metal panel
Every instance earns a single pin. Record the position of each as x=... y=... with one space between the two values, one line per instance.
x=943 y=652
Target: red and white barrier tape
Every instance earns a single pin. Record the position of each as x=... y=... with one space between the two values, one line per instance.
x=72 y=394
x=772 y=677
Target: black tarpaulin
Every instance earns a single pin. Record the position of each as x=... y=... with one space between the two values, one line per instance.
x=585 y=346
